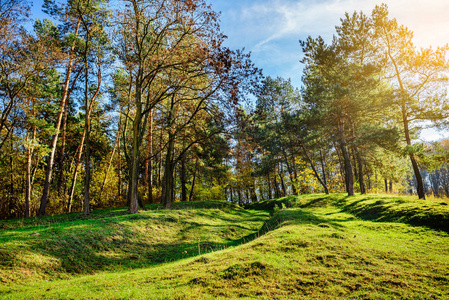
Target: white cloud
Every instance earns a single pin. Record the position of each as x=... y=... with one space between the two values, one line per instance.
x=274 y=20
x=271 y=28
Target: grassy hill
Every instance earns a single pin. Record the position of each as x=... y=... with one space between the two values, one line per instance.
x=317 y=247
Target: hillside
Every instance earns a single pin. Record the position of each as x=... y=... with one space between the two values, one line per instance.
x=317 y=247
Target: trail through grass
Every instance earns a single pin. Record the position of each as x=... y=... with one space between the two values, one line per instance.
x=319 y=248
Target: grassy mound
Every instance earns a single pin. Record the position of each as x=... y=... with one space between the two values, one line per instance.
x=111 y=240
x=381 y=208
x=317 y=249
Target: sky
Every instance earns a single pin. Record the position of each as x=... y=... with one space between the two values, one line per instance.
x=271 y=29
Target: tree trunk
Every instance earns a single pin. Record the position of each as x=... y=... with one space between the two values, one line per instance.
x=51 y=158
x=11 y=174
x=119 y=160
x=340 y=162
x=75 y=174
x=390 y=188
x=360 y=173
x=28 y=184
x=253 y=194
x=168 y=173
x=62 y=152
x=231 y=192
x=349 y=177
x=183 y=178
x=386 y=185
x=270 y=195
x=277 y=192
x=239 y=194
x=30 y=151
x=109 y=167
x=193 y=181
x=63 y=137
x=323 y=183
x=87 y=141
x=290 y=173
x=149 y=161
x=281 y=177
x=134 y=167
x=323 y=169
x=159 y=171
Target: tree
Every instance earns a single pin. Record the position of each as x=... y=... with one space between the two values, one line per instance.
x=174 y=54
x=355 y=102
x=419 y=79
x=327 y=95
x=72 y=25
x=92 y=15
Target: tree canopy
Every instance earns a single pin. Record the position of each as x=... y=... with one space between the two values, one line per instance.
x=141 y=102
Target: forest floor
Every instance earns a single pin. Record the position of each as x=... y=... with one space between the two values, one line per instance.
x=299 y=247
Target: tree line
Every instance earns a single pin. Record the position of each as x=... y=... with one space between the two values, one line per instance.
x=139 y=102
x=355 y=122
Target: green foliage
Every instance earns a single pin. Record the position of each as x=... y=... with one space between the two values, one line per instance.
x=273 y=204
x=206 y=193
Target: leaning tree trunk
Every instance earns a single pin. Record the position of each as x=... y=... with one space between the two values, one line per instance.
x=323 y=183
x=87 y=130
x=63 y=137
x=109 y=167
x=419 y=180
x=51 y=157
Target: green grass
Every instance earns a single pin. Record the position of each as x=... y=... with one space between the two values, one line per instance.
x=322 y=247
x=111 y=240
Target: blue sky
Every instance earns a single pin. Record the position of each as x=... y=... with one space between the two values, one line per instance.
x=271 y=29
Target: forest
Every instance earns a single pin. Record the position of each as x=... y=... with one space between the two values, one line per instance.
x=125 y=104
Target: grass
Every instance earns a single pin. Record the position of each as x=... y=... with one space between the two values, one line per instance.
x=111 y=240
x=321 y=247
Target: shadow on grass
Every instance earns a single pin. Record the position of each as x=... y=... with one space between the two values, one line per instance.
x=434 y=215
x=390 y=209
x=423 y=213
x=123 y=242
x=110 y=245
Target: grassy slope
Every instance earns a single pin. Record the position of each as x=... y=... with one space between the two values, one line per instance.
x=315 y=249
